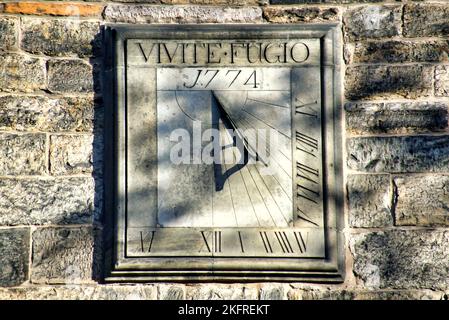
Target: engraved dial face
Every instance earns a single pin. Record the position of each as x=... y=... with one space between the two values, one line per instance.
x=237 y=156
x=248 y=183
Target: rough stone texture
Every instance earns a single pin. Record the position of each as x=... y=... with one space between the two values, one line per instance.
x=212 y=2
x=370 y=201
x=411 y=81
x=422 y=200
x=44 y=201
x=14 y=256
x=54 y=9
x=372 y=22
x=349 y=294
x=395 y=117
x=171 y=292
x=41 y=113
x=148 y=292
x=8 y=33
x=430 y=19
x=273 y=292
x=22 y=154
x=395 y=51
x=70 y=76
x=80 y=292
x=187 y=14
x=71 y=154
x=402 y=259
x=221 y=292
x=300 y=14
x=328 y=1
x=399 y=154
x=60 y=37
x=442 y=81
x=21 y=73
x=206 y=2
x=64 y=255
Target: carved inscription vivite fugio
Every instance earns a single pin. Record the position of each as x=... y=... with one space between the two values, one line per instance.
x=223 y=153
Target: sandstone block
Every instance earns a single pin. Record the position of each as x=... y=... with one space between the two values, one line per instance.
x=14 y=256
x=395 y=51
x=21 y=73
x=71 y=154
x=300 y=14
x=41 y=113
x=70 y=76
x=426 y=19
x=365 y=22
x=8 y=33
x=60 y=37
x=48 y=201
x=63 y=255
x=399 y=154
x=181 y=14
x=402 y=259
x=379 y=81
x=22 y=154
x=370 y=201
x=422 y=200
x=395 y=117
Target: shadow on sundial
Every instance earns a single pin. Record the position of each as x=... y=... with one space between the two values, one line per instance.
x=229 y=153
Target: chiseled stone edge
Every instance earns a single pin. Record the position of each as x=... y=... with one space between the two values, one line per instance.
x=180 y=14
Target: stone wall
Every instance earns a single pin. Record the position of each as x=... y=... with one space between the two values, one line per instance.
x=396 y=88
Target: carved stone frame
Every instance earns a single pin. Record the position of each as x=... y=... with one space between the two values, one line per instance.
x=119 y=267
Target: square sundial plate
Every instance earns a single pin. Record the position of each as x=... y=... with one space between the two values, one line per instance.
x=223 y=153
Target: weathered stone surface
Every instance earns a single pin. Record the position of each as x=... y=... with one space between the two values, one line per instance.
x=21 y=73
x=351 y=294
x=22 y=154
x=171 y=292
x=221 y=292
x=41 y=113
x=128 y=292
x=70 y=76
x=44 y=201
x=402 y=259
x=60 y=37
x=8 y=33
x=14 y=256
x=300 y=14
x=180 y=14
x=429 y=19
x=395 y=51
x=80 y=292
x=54 y=9
x=370 y=201
x=442 y=81
x=395 y=117
x=388 y=81
x=398 y=295
x=64 y=255
x=327 y=1
x=147 y=292
x=210 y=2
x=365 y=22
x=273 y=292
x=399 y=154
x=71 y=154
x=205 y=2
x=422 y=200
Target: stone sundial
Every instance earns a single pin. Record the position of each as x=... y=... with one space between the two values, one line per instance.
x=225 y=153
